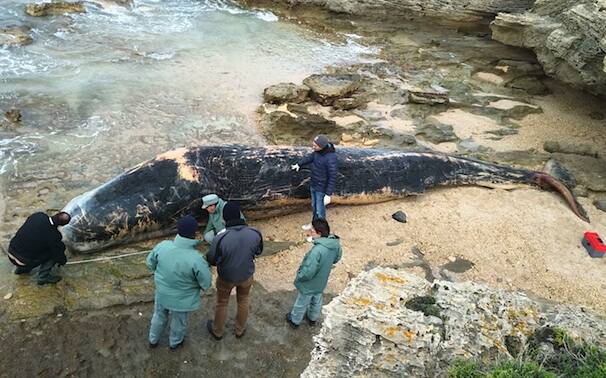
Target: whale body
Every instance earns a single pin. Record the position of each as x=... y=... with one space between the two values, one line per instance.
x=147 y=200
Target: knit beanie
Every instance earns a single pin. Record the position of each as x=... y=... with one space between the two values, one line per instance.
x=321 y=140
x=187 y=226
x=231 y=211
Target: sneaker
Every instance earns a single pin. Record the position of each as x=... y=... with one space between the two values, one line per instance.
x=209 y=328
x=49 y=280
x=290 y=322
x=306 y=227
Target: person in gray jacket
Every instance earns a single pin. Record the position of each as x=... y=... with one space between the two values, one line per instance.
x=233 y=251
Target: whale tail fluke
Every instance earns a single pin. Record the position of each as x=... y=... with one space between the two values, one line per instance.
x=548 y=182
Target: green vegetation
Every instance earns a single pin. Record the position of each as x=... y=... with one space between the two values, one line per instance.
x=550 y=353
x=425 y=304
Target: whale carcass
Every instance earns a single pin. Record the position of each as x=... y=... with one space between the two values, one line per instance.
x=147 y=200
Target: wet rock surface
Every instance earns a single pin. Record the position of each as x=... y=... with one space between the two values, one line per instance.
x=54 y=8
x=388 y=322
x=15 y=36
x=285 y=92
x=92 y=343
x=567 y=37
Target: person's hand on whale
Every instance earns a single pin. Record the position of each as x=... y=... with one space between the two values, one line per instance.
x=295 y=167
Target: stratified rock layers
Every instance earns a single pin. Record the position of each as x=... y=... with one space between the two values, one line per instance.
x=453 y=10
x=568 y=36
x=391 y=323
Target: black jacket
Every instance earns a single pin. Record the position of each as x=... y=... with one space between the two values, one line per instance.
x=233 y=252
x=38 y=241
x=323 y=169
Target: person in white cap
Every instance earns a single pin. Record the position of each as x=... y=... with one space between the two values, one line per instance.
x=214 y=205
x=323 y=162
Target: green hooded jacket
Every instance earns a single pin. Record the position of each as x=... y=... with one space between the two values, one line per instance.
x=215 y=220
x=179 y=273
x=312 y=276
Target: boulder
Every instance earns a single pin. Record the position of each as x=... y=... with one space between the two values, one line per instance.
x=55 y=8
x=326 y=88
x=15 y=36
x=571 y=148
x=567 y=37
x=285 y=92
x=391 y=323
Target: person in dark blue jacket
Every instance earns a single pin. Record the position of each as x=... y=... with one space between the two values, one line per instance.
x=323 y=162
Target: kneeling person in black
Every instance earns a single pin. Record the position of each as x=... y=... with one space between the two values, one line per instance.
x=38 y=243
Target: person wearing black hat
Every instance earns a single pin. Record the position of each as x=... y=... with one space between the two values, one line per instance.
x=323 y=162
x=233 y=251
x=180 y=272
x=38 y=243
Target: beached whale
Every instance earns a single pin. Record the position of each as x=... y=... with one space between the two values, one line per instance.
x=147 y=200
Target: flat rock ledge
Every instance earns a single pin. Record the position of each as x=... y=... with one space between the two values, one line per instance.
x=391 y=323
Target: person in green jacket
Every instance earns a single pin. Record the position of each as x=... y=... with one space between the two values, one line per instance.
x=180 y=272
x=214 y=205
x=312 y=276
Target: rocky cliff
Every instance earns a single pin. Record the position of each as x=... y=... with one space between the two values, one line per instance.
x=568 y=36
x=453 y=10
x=391 y=323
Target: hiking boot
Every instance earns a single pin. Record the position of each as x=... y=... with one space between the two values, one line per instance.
x=306 y=227
x=49 y=280
x=152 y=345
x=209 y=328
x=290 y=322
x=22 y=270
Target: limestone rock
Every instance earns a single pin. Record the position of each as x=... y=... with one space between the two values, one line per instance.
x=437 y=133
x=15 y=36
x=557 y=170
x=451 y=10
x=571 y=148
x=600 y=205
x=391 y=323
x=567 y=36
x=54 y=8
x=429 y=98
x=326 y=88
x=285 y=92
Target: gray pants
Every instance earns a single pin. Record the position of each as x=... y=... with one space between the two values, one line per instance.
x=178 y=325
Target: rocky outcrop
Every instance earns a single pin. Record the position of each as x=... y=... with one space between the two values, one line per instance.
x=390 y=323
x=567 y=36
x=453 y=10
x=15 y=36
x=54 y=8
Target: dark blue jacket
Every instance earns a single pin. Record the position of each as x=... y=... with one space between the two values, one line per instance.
x=233 y=251
x=323 y=169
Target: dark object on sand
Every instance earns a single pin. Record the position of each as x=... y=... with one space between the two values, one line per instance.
x=400 y=216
